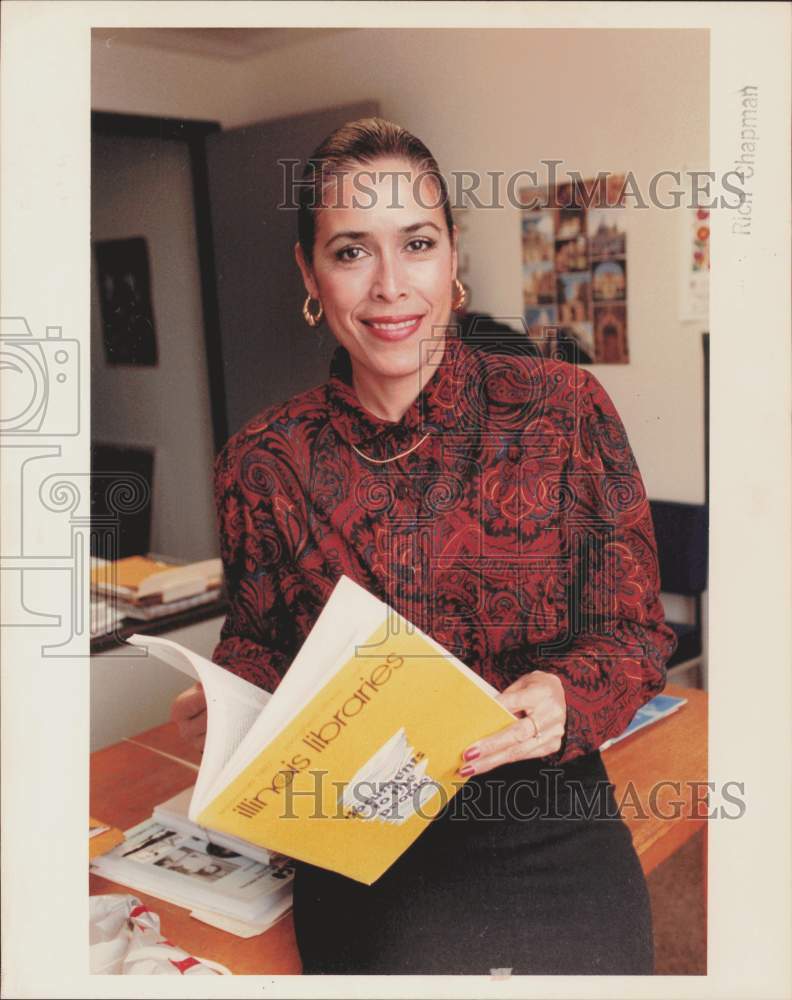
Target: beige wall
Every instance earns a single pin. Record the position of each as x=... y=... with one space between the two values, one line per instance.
x=142 y=187
x=504 y=100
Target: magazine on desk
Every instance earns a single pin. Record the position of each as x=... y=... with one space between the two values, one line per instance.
x=175 y=814
x=185 y=870
x=661 y=706
x=354 y=754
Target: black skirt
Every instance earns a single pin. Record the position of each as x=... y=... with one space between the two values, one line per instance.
x=529 y=869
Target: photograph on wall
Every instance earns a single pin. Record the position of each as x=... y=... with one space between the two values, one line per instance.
x=610 y=332
x=124 y=277
x=537 y=238
x=609 y=281
x=574 y=252
x=573 y=297
x=538 y=285
x=606 y=233
x=541 y=316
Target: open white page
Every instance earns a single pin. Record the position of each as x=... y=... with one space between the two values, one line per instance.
x=232 y=704
x=349 y=617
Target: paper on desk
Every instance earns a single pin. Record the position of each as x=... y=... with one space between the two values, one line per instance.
x=241 y=928
x=104 y=617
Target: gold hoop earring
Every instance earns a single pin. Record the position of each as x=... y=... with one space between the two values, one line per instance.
x=461 y=295
x=312 y=319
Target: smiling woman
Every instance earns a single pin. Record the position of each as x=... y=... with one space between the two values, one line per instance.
x=493 y=500
x=377 y=249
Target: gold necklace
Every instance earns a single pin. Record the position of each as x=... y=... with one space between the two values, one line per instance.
x=384 y=461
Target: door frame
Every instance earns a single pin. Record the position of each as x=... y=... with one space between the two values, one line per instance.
x=194 y=133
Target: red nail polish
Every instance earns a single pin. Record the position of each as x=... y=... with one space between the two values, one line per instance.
x=466 y=771
x=471 y=754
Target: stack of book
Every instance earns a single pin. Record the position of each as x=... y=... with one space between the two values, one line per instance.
x=145 y=588
x=104 y=616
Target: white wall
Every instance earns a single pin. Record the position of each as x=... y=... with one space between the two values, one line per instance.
x=131 y=693
x=491 y=100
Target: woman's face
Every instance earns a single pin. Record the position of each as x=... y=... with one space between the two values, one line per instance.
x=383 y=267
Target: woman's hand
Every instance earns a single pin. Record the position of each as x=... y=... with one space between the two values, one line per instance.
x=539 y=702
x=188 y=711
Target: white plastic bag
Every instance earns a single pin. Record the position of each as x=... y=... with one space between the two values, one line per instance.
x=125 y=940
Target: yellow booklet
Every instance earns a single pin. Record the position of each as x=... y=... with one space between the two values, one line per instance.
x=357 y=750
x=102 y=837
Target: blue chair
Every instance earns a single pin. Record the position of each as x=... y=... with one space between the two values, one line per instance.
x=682 y=534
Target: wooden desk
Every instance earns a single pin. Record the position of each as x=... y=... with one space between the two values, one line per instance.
x=663 y=765
x=660 y=765
x=127 y=780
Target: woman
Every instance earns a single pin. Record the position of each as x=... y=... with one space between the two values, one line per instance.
x=492 y=499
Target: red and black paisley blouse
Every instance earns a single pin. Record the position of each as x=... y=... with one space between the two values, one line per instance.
x=517 y=534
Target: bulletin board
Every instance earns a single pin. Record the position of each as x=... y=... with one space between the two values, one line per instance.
x=574 y=267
